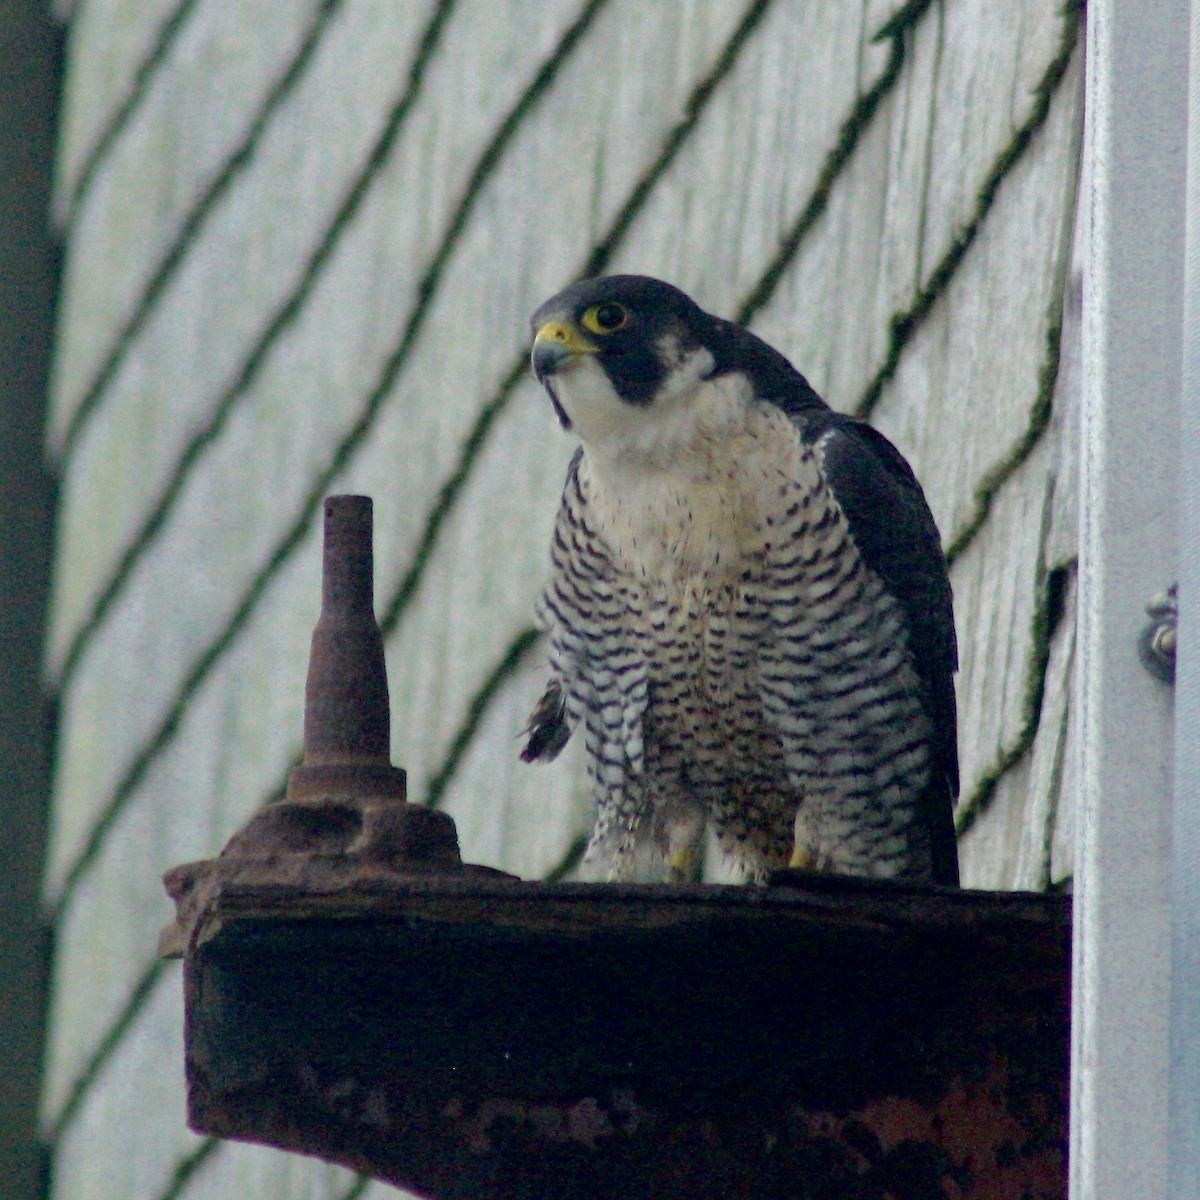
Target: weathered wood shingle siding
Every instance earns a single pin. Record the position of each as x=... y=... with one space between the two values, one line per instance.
x=303 y=244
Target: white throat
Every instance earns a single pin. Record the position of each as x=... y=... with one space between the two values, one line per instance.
x=623 y=436
x=676 y=489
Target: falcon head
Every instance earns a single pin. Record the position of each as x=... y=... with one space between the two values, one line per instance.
x=617 y=354
x=623 y=359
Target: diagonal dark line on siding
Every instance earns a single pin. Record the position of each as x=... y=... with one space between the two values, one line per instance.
x=902 y=20
x=1043 y=627
x=190 y=227
x=279 y=322
x=905 y=324
x=1043 y=623
x=139 y=85
x=168 y=726
x=311 y=505
x=1011 y=756
x=143 y=989
x=988 y=488
x=514 y=656
x=849 y=137
x=693 y=109
x=1045 y=881
x=356 y=1189
x=279 y=791
x=393 y=612
x=572 y=857
x=186 y=1168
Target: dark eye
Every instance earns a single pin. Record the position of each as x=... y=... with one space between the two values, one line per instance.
x=605 y=318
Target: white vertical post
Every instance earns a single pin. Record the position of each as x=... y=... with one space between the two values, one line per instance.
x=1184 y=1128
x=1135 y=189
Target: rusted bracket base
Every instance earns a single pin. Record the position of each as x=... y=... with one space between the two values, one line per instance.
x=480 y=1037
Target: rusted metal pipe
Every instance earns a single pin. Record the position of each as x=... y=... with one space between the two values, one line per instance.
x=345 y=822
x=347 y=720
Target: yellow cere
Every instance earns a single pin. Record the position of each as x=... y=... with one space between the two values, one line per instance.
x=566 y=336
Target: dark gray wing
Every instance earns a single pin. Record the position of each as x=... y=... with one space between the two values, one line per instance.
x=896 y=534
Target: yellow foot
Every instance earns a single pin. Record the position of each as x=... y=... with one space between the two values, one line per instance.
x=683 y=865
x=802 y=859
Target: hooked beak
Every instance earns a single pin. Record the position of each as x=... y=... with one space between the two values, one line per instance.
x=557 y=344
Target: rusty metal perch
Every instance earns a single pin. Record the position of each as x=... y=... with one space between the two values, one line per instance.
x=354 y=991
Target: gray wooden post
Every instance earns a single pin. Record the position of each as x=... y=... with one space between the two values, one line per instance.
x=1184 y=1095
x=1137 y=58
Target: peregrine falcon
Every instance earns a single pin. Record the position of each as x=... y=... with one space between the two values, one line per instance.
x=749 y=610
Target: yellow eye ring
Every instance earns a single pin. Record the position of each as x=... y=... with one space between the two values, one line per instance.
x=605 y=318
